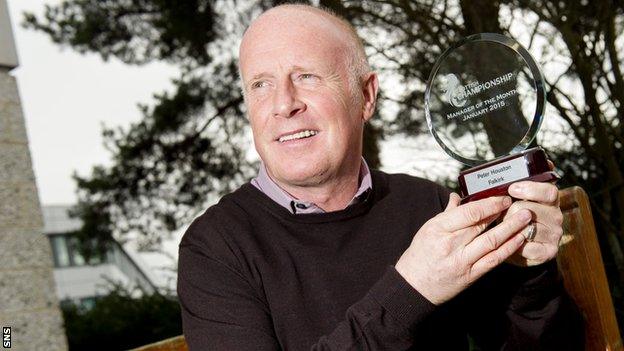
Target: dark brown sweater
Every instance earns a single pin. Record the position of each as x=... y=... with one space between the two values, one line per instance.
x=253 y=276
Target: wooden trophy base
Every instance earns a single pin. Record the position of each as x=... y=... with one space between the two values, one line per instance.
x=493 y=178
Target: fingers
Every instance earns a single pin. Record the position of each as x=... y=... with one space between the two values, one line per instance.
x=545 y=193
x=547 y=235
x=466 y=235
x=459 y=217
x=454 y=201
x=549 y=218
x=547 y=214
x=538 y=252
x=496 y=237
x=545 y=245
x=496 y=257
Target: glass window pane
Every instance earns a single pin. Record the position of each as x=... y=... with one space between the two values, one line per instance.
x=76 y=256
x=87 y=303
x=95 y=259
x=59 y=249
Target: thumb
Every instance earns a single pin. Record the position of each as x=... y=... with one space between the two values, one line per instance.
x=453 y=202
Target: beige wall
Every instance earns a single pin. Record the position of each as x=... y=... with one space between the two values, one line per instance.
x=8 y=54
x=28 y=303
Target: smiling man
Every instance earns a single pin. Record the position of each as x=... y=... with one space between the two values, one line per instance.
x=320 y=252
x=306 y=106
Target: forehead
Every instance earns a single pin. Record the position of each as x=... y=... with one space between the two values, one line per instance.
x=291 y=37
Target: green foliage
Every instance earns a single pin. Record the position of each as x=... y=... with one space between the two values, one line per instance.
x=190 y=144
x=135 y=32
x=119 y=321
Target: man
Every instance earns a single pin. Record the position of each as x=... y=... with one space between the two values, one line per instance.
x=319 y=252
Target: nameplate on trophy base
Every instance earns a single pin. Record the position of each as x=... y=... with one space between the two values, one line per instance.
x=498 y=174
x=495 y=177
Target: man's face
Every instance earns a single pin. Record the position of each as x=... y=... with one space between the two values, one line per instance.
x=307 y=126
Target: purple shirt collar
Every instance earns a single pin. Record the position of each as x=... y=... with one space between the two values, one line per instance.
x=266 y=185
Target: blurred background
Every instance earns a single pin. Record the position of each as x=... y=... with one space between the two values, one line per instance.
x=135 y=124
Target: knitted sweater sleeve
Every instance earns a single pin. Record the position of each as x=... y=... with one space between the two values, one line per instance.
x=514 y=308
x=222 y=311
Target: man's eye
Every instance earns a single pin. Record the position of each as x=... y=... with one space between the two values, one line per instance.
x=258 y=84
x=307 y=76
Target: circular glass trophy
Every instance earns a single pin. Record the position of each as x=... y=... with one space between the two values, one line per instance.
x=484 y=104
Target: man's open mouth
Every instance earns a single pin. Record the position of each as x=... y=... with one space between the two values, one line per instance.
x=299 y=135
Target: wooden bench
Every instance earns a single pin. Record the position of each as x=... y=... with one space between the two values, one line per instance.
x=582 y=269
x=172 y=344
x=581 y=266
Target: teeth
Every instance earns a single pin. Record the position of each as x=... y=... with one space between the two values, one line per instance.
x=300 y=135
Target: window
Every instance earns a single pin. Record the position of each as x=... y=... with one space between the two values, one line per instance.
x=66 y=252
x=60 y=252
x=77 y=258
x=88 y=303
x=83 y=305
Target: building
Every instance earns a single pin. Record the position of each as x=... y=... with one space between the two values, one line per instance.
x=80 y=281
x=29 y=311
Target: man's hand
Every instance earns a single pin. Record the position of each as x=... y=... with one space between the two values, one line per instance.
x=447 y=254
x=542 y=199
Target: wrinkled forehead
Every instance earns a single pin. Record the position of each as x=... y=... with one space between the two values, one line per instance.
x=292 y=36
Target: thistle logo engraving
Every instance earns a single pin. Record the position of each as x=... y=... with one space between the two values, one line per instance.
x=453 y=90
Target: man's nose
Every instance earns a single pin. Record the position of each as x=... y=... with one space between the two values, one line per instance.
x=286 y=102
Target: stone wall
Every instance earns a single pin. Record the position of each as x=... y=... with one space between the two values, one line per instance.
x=8 y=54
x=28 y=303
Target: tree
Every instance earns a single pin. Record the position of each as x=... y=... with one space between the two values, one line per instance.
x=120 y=321
x=189 y=143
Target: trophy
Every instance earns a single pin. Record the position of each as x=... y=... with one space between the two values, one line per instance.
x=484 y=103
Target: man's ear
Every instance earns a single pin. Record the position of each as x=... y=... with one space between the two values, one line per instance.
x=369 y=94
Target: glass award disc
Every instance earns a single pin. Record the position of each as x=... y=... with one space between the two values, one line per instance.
x=484 y=99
